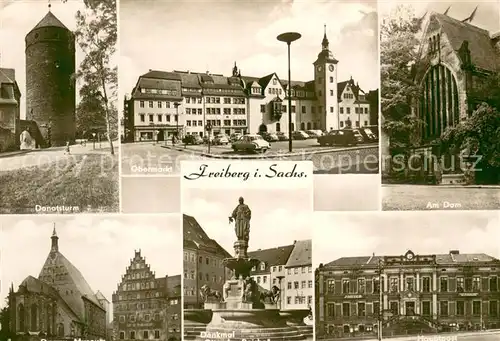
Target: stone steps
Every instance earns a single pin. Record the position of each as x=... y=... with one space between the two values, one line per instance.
x=292 y=333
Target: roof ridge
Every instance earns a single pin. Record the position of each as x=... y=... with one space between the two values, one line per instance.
x=440 y=15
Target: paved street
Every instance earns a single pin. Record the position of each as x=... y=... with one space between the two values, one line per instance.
x=479 y=336
x=152 y=159
x=415 y=197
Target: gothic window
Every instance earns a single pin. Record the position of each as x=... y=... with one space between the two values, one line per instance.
x=308 y=125
x=302 y=126
x=72 y=329
x=21 y=317
x=278 y=127
x=60 y=329
x=34 y=317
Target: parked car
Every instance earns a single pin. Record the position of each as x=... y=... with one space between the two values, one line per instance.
x=269 y=137
x=234 y=137
x=359 y=137
x=368 y=135
x=192 y=139
x=221 y=139
x=251 y=143
x=313 y=134
x=344 y=137
x=300 y=135
x=282 y=136
x=373 y=130
x=206 y=138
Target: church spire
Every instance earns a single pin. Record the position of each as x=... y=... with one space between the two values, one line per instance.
x=325 y=42
x=55 y=238
x=50 y=5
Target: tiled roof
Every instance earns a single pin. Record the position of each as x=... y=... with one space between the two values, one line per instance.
x=50 y=20
x=99 y=295
x=7 y=76
x=483 y=53
x=440 y=259
x=301 y=254
x=194 y=234
x=162 y=75
x=272 y=257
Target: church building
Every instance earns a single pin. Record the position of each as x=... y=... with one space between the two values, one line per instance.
x=58 y=304
x=163 y=103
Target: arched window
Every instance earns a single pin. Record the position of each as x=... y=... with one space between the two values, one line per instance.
x=302 y=126
x=262 y=128
x=438 y=42
x=21 y=318
x=438 y=105
x=308 y=125
x=430 y=44
x=315 y=125
x=60 y=329
x=278 y=127
x=34 y=318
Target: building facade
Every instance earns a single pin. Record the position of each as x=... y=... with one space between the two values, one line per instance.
x=272 y=269
x=203 y=263
x=143 y=306
x=183 y=102
x=10 y=98
x=419 y=293
x=455 y=58
x=299 y=277
x=59 y=303
x=50 y=80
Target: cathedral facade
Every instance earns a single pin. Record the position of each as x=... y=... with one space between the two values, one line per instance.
x=58 y=304
x=184 y=102
x=145 y=306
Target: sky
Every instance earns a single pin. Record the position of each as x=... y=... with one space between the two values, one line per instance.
x=210 y=36
x=337 y=235
x=278 y=216
x=101 y=247
x=17 y=18
x=487 y=15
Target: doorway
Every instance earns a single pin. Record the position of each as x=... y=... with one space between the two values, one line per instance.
x=410 y=308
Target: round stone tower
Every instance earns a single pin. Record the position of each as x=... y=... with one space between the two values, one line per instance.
x=50 y=81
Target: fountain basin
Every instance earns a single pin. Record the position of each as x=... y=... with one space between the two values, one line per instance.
x=294 y=317
x=197 y=316
x=246 y=319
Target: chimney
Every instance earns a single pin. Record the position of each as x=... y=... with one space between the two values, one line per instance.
x=454 y=252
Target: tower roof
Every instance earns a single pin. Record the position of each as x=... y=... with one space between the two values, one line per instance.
x=50 y=20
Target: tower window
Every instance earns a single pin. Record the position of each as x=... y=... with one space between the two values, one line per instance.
x=331 y=79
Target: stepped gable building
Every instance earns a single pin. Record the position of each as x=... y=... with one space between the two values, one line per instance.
x=455 y=56
x=184 y=102
x=299 y=276
x=59 y=303
x=271 y=271
x=420 y=293
x=146 y=306
x=10 y=97
x=50 y=81
x=203 y=263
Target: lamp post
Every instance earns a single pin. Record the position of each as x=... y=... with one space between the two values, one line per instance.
x=280 y=278
x=176 y=105
x=93 y=141
x=288 y=38
x=209 y=129
x=380 y=305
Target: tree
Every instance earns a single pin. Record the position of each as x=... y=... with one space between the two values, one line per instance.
x=96 y=35
x=5 y=332
x=479 y=135
x=398 y=52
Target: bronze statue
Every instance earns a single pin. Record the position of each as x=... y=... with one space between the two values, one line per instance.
x=241 y=217
x=271 y=296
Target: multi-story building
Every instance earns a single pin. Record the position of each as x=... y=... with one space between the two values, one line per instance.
x=59 y=303
x=203 y=263
x=143 y=305
x=271 y=270
x=419 y=293
x=299 y=277
x=185 y=102
x=10 y=98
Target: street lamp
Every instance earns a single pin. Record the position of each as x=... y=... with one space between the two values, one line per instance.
x=280 y=278
x=288 y=38
x=93 y=140
x=176 y=105
x=208 y=127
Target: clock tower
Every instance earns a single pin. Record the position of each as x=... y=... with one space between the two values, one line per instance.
x=325 y=79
